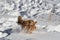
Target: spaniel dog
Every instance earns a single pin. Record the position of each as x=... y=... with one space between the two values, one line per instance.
x=27 y=25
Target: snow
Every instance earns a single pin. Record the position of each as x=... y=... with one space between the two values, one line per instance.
x=35 y=36
x=57 y=28
x=37 y=10
x=3 y=34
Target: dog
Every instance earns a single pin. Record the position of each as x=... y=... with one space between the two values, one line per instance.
x=27 y=25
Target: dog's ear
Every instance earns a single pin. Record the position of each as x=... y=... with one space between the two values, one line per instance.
x=19 y=18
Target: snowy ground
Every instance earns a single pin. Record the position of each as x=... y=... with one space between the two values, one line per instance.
x=38 y=10
x=34 y=36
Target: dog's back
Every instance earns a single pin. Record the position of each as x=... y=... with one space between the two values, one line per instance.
x=29 y=25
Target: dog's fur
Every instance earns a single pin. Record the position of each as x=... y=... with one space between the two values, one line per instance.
x=28 y=25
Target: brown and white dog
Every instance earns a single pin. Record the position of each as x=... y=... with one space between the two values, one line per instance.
x=28 y=25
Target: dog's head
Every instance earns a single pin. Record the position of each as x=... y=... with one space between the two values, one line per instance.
x=20 y=20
